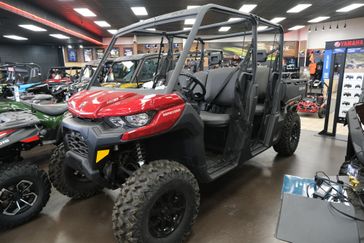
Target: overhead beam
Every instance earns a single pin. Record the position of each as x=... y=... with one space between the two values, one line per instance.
x=44 y=21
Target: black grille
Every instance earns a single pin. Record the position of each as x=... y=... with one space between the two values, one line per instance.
x=76 y=143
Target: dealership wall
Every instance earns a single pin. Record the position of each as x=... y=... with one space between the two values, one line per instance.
x=44 y=56
x=317 y=39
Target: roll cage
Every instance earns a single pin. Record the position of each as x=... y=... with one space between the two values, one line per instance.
x=191 y=35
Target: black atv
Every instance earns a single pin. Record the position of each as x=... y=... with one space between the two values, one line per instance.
x=24 y=188
x=157 y=145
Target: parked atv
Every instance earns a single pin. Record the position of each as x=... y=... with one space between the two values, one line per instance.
x=24 y=188
x=158 y=145
x=50 y=116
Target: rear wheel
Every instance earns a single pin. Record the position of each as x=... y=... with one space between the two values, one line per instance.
x=24 y=191
x=290 y=135
x=68 y=181
x=158 y=203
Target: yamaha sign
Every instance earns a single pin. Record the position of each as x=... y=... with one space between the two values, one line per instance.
x=344 y=43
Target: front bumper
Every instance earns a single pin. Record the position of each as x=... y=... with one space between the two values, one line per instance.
x=92 y=136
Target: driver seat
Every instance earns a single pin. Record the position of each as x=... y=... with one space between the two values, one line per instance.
x=51 y=109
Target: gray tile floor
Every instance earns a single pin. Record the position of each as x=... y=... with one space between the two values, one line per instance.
x=242 y=206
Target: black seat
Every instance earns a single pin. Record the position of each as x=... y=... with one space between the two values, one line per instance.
x=52 y=109
x=261 y=78
x=214 y=81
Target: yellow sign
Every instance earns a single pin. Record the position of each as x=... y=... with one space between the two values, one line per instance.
x=102 y=154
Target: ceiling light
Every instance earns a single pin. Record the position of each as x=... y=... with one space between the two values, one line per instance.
x=139 y=11
x=276 y=20
x=260 y=28
x=102 y=23
x=32 y=27
x=151 y=29
x=298 y=8
x=85 y=12
x=224 y=28
x=15 y=37
x=189 y=21
x=187 y=28
x=192 y=6
x=350 y=7
x=318 y=19
x=234 y=19
x=59 y=36
x=247 y=8
x=112 y=31
x=80 y=46
x=297 y=27
x=69 y=47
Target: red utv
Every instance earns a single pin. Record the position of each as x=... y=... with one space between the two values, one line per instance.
x=158 y=144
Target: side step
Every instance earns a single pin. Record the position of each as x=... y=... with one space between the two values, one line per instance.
x=217 y=168
x=258 y=148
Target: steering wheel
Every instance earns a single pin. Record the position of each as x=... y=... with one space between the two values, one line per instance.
x=189 y=89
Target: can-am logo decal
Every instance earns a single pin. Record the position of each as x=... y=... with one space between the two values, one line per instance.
x=4 y=141
x=171 y=112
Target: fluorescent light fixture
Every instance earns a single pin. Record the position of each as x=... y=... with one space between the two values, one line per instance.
x=112 y=31
x=277 y=20
x=85 y=12
x=151 y=29
x=224 y=28
x=233 y=19
x=59 y=36
x=297 y=27
x=350 y=7
x=187 y=28
x=139 y=11
x=15 y=37
x=247 y=8
x=298 y=8
x=318 y=19
x=80 y=46
x=189 y=21
x=262 y=28
x=192 y=6
x=32 y=27
x=69 y=47
x=102 y=23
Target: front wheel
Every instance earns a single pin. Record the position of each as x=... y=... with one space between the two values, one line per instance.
x=68 y=181
x=290 y=135
x=158 y=203
x=24 y=191
x=321 y=112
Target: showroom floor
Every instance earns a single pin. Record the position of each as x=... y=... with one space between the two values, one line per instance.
x=240 y=207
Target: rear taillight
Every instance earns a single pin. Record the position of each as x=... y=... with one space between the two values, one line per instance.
x=6 y=133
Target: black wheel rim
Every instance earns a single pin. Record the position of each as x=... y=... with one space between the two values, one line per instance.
x=295 y=133
x=17 y=198
x=167 y=213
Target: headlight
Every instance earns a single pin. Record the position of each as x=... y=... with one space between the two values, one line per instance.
x=116 y=121
x=138 y=120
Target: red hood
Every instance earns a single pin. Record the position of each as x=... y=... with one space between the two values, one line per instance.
x=103 y=103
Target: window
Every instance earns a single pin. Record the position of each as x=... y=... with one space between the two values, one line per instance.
x=121 y=72
x=148 y=70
